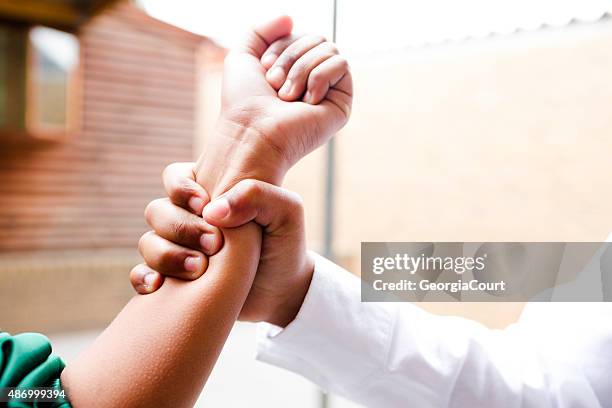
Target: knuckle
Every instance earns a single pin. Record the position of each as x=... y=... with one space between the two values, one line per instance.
x=332 y=48
x=169 y=170
x=297 y=71
x=293 y=213
x=343 y=62
x=181 y=190
x=316 y=78
x=175 y=182
x=247 y=192
x=319 y=39
x=279 y=45
x=287 y=59
x=147 y=212
x=296 y=203
x=180 y=231
x=150 y=209
x=175 y=192
x=250 y=188
x=296 y=199
x=142 y=241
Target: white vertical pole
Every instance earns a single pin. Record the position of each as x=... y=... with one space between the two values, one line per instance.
x=328 y=199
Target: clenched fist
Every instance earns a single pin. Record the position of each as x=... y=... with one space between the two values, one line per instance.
x=282 y=97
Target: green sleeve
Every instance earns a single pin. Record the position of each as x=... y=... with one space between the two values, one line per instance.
x=26 y=361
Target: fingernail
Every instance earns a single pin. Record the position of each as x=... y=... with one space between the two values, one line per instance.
x=276 y=75
x=218 y=209
x=196 y=204
x=192 y=264
x=268 y=59
x=286 y=88
x=208 y=243
x=149 y=279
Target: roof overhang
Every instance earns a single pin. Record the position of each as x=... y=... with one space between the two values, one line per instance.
x=62 y=14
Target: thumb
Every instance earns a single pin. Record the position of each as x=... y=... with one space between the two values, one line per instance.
x=261 y=36
x=252 y=200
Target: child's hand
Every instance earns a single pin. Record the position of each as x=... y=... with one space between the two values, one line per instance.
x=307 y=71
x=282 y=97
x=285 y=268
x=199 y=239
x=309 y=68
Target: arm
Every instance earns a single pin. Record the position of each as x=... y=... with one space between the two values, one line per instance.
x=385 y=354
x=303 y=94
x=142 y=358
x=261 y=133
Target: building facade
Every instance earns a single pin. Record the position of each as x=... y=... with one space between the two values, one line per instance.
x=72 y=199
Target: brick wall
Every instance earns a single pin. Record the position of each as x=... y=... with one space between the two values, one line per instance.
x=72 y=211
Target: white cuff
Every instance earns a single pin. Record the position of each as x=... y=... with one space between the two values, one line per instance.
x=326 y=343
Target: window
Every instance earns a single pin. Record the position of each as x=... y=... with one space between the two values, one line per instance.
x=52 y=67
x=38 y=73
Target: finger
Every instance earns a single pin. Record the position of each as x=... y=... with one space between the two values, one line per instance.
x=251 y=200
x=298 y=75
x=275 y=49
x=181 y=187
x=277 y=74
x=260 y=37
x=331 y=76
x=331 y=108
x=145 y=280
x=170 y=259
x=178 y=225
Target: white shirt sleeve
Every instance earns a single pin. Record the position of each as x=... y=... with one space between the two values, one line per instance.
x=394 y=355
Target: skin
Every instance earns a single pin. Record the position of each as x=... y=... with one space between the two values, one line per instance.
x=285 y=268
x=291 y=69
x=265 y=131
x=142 y=358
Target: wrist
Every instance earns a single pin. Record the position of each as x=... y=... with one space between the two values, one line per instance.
x=288 y=308
x=237 y=152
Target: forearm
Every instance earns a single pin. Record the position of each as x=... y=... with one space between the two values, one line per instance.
x=161 y=347
x=142 y=358
x=246 y=155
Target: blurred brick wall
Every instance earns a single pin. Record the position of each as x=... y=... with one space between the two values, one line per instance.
x=503 y=139
x=71 y=212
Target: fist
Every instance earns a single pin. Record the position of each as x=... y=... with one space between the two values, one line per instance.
x=292 y=92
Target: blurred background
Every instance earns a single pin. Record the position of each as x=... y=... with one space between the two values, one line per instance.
x=473 y=120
